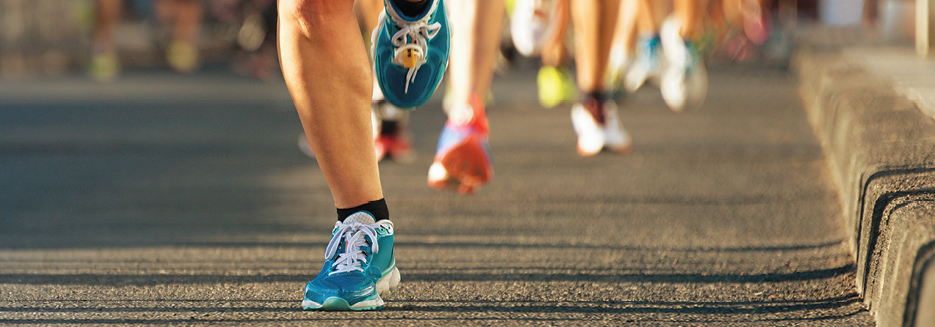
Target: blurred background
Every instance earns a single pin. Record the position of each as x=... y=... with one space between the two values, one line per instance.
x=45 y=38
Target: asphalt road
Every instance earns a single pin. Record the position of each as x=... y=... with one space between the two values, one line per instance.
x=166 y=199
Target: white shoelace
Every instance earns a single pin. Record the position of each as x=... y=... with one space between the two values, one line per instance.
x=355 y=236
x=418 y=31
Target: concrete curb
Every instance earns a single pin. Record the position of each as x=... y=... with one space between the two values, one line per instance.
x=881 y=149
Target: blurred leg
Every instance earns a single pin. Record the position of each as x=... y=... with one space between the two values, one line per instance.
x=108 y=12
x=463 y=158
x=594 y=22
x=650 y=15
x=625 y=35
x=188 y=19
x=184 y=18
x=555 y=82
x=689 y=12
x=368 y=11
x=554 y=52
x=595 y=118
x=475 y=41
x=105 y=65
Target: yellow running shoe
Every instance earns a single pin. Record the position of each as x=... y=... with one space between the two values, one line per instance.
x=556 y=86
x=104 y=67
x=182 y=56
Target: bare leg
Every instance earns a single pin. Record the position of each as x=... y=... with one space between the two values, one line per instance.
x=108 y=11
x=689 y=13
x=326 y=69
x=475 y=36
x=188 y=17
x=625 y=34
x=594 y=30
x=595 y=118
x=368 y=11
x=650 y=14
x=555 y=83
x=475 y=41
x=185 y=17
x=554 y=52
x=104 y=65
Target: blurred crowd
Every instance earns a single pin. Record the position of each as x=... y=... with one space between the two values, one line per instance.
x=102 y=37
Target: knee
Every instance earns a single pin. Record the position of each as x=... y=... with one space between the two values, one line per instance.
x=314 y=12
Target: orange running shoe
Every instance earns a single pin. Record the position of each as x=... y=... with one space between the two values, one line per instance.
x=463 y=157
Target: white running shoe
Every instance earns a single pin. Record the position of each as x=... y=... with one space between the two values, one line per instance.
x=598 y=127
x=530 y=25
x=684 y=83
x=647 y=64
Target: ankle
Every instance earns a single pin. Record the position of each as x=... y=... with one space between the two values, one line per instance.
x=412 y=8
x=471 y=113
x=376 y=208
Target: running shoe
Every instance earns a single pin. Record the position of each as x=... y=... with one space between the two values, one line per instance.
x=359 y=267
x=684 y=84
x=530 y=25
x=183 y=57
x=104 y=67
x=598 y=127
x=463 y=157
x=617 y=66
x=646 y=66
x=391 y=139
x=410 y=54
x=556 y=86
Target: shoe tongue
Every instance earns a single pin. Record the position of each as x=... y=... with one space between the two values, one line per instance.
x=362 y=217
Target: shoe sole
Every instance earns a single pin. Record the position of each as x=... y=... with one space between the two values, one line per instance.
x=623 y=150
x=387 y=283
x=586 y=153
x=335 y=303
x=465 y=164
x=626 y=149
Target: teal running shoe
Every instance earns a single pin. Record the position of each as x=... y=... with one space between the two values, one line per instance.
x=359 y=267
x=410 y=54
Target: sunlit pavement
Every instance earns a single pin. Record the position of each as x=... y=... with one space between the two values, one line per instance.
x=166 y=199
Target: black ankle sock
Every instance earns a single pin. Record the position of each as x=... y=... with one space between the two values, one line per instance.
x=594 y=103
x=389 y=127
x=411 y=9
x=376 y=208
x=596 y=96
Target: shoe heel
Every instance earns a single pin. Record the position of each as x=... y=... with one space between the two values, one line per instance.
x=388 y=283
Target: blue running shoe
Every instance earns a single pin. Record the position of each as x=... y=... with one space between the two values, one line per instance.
x=360 y=266
x=410 y=54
